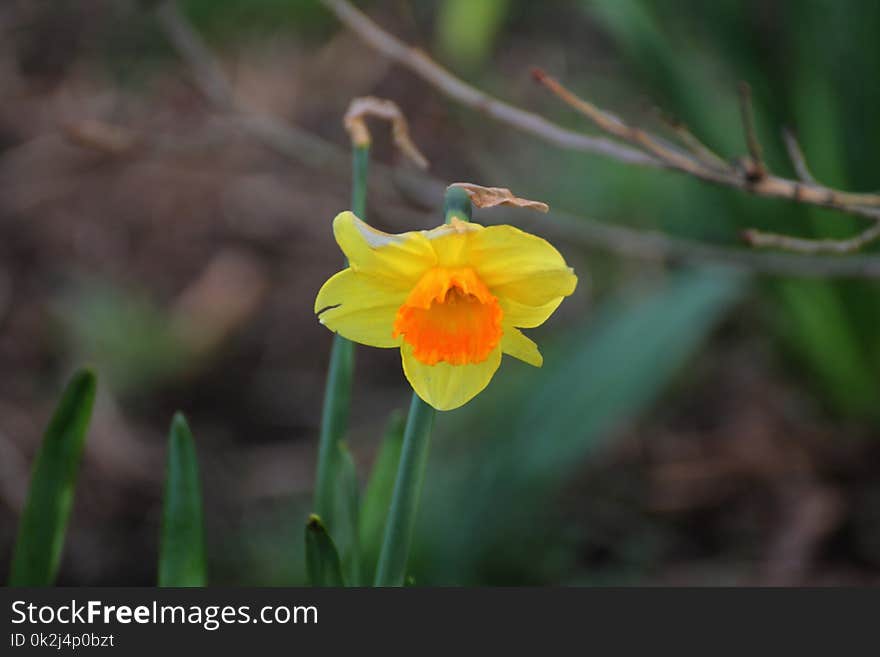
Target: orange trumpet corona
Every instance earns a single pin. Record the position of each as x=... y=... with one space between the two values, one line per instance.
x=450 y=316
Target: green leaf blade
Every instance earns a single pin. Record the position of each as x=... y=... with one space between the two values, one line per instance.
x=346 y=529
x=322 y=560
x=44 y=522
x=377 y=495
x=334 y=425
x=182 y=546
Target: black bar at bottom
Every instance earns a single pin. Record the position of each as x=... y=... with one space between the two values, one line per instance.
x=597 y=621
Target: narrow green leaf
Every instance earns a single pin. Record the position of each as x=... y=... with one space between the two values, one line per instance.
x=346 y=528
x=813 y=318
x=334 y=424
x=182 y=547
x=377 y=496
x=44 y=522
x=322 y=559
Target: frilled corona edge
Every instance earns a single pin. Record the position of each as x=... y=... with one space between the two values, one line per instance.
x=452 y=299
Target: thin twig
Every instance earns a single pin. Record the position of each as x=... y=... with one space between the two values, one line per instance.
x=755 y=174
x=317 y=154
x=796 y=155
x=614 y=125
x=804 y=245
x=767 y=185
x=702 y=152
x=756 y=168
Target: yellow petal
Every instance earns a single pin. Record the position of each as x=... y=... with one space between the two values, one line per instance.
x=401 y=259
x=446 y=386
x=359 y=307
x=520 y=266
x=451 y=242
x=538 y=289
x=523 y=316
x=514 y=343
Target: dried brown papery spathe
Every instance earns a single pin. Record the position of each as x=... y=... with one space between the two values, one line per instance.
x=355 y=124
x=489 y=197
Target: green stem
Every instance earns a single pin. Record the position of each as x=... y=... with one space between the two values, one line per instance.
x=414 y=454
x=334 y=423
x=407 y=490
x=337 y=394
x=456 y=205
x=360 y=161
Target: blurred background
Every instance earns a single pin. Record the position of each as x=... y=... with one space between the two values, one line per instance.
x=691 y=426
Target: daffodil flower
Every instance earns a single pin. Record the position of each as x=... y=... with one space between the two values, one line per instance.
x=452 y=299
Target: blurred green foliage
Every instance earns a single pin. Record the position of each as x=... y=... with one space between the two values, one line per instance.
x=827 y=326
x=489 y=512
x=686 y=58
x=466 y=30
x=234 y=19
x=131 y=340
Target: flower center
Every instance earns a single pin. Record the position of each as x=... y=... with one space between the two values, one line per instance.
x=450 y=316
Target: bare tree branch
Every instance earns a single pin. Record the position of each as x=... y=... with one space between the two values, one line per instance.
x=644 y=149
x=316 y=153
x=671 y=157
x=765 y=185
x=754 y=178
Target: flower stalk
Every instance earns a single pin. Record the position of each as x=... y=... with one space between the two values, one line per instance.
x=391 y=570
x=337 y=394
x=407 y=491
x=456 y=204
x=336 y=483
